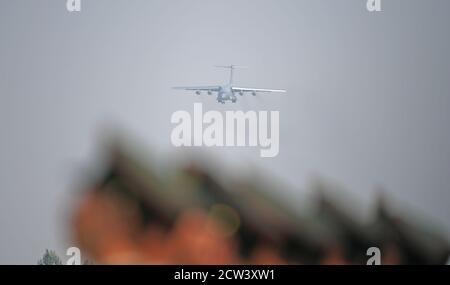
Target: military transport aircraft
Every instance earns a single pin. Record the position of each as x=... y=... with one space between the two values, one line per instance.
x=228 y=91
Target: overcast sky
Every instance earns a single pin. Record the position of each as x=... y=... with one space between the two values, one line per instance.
x=367 y=105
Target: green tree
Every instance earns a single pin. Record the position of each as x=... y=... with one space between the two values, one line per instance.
x=50 y=258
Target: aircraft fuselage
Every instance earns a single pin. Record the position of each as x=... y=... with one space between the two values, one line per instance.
x=226 y=94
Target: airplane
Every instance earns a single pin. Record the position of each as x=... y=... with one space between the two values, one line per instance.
x=228 y=91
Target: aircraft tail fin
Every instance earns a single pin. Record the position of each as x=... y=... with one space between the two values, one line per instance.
x=231 y=67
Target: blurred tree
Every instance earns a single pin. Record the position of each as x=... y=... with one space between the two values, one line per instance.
x=50 y=258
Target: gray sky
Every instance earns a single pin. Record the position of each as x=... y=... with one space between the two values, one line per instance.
x=368 y=101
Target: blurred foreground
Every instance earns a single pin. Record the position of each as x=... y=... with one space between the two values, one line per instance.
x=141 y=213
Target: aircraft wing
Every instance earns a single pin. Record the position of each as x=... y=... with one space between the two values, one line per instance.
x=256 y=90
x=199 y=88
